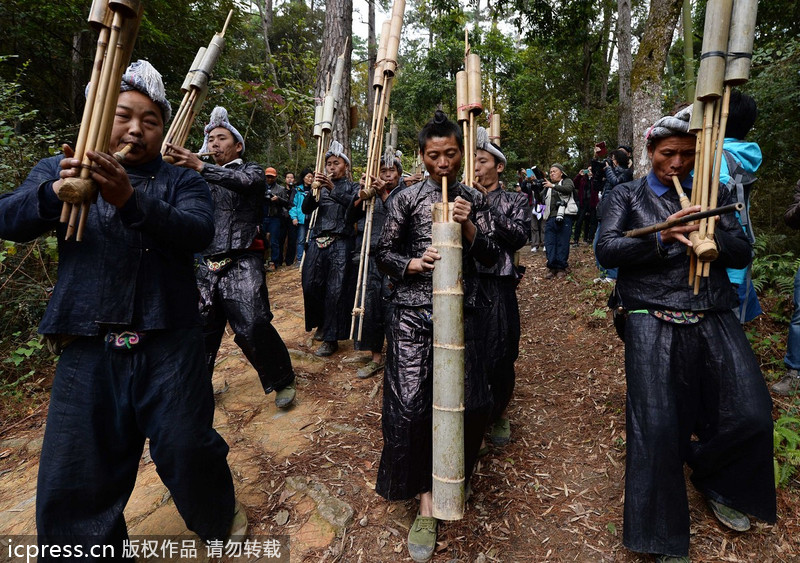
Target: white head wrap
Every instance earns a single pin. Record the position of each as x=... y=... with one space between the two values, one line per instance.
x=336 y=149
x=669 y=125
x=392 y=158
x=482 y=142
x=143 y=77
x=219 y=118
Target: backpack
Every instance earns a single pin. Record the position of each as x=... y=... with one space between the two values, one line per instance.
x=741 y=185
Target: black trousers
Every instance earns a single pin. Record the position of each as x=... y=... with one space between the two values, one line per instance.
x=407 y=457
x=501 y=328
x=329 y=288
x=102 y=407
x=238 y=295
x=685 y=380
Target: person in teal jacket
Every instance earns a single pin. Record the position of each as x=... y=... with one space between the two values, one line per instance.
x=744 y=157
x=296 y=215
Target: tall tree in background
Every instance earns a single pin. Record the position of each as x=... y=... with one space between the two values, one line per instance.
x=648 y=72
x=625 y=125
x=688 y=49
x=372 y=56
x=337 y=32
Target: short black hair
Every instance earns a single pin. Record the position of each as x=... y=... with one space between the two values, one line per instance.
x=621 y=157
x=305 y=172
x=440 y=126
x=741 y=115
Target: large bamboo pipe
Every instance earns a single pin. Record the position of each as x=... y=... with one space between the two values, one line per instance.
x=448 y=490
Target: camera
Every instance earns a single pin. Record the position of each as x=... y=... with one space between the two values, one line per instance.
x=560 y=214
x=538 y=183
x=269 y=193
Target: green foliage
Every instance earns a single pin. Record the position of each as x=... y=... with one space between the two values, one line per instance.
x=786 y=441
x=773 y=273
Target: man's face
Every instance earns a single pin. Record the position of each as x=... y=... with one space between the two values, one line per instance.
x=336 y=167
x=442 y=158
x=290 y=179
x=138 y=121
x=487 y=169
x=672 y=156
x=271 y=179
x=224 y=146
x=556 y=174
x=390 y=175
x=308 y=179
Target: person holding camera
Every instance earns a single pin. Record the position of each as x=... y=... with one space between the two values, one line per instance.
x=559 y=213
x=276 y=217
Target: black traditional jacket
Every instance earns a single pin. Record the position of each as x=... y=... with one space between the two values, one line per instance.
x=655 y=276
x=511 y=223
x=134 y=266
x=332 y=204
x=238 y=192
x=407 y=234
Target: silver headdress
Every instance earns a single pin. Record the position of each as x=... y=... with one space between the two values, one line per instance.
x=482 y=142
x=143 y=77
x=670 y=125
x=219 y=118
x=336 y=149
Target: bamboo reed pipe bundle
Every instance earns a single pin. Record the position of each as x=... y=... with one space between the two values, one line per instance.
x=195 y=89
x=117 y=22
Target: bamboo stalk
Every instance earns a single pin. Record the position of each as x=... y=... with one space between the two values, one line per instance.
x=448 y=483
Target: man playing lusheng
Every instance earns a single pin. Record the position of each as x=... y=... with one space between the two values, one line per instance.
x=231 y=275
x=404 y=252
x=688 y=364
x=124 y=318
x=512 y=223
x=328 y=284
x=376 y=311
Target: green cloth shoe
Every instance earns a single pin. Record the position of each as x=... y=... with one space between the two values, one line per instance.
x=369 y=370
x=501 y=432
x=285 y=396
x=730 y=517
x=422 y=538
x=238 y=530
x=672 y=559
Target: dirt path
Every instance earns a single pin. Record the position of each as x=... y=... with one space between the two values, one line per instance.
x=553 y=494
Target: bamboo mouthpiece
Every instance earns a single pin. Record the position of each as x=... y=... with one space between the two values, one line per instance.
x=121 y=154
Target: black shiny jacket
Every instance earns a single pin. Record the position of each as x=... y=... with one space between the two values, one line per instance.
x=238 y=192
x=134 y=266
x=407 y=234
x=333 y=204
x=656 y=277
x=357 y=213
x=511 y=223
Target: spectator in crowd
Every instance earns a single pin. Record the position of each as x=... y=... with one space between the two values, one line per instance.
x=299 y=219
x=586 y=220
x=559 y=214
x=276 y=214
x=290 y=251
x=616 y=170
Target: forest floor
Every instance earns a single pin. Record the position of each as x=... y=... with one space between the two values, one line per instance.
x=554 y=493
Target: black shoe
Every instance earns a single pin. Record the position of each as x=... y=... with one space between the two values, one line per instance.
x=327 y=349
x=318 y=335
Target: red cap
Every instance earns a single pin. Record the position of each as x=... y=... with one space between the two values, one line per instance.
x=271 y=172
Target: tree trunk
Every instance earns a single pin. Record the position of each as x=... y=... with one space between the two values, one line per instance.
x=648 y=73
x=608 y=37
x=625 y=123
x=688 y=50
x=372 y=55
x=266 y=15
x=76 y=76
x=338 y=29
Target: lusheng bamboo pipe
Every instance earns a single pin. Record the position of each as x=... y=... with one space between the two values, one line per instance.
x=448 y=479
x=114 y=47
x=644 y=231
x=195 y=89
x=387 y=64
